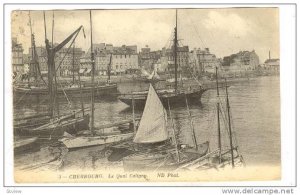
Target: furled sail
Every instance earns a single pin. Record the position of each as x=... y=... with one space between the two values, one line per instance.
x=153 y=124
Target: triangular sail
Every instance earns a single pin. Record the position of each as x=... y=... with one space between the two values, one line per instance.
x=151 y=75
x=153 y=124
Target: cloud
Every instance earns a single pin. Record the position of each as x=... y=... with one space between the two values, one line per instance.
x=228 y=22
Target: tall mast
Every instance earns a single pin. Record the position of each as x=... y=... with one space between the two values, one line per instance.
x=175 y=53
x=109 y=68
x=191 y=124
x=174 y=134
x=133 y=115
x=50 y=74
x=218 y=117
x=93 y=73
x=229 y=125
x=81 y=100
x=73 y=65
x=54 y=69
x=33 y=60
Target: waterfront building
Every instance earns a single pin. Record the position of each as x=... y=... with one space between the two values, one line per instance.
x=121 y=58
x=148 y=58
x=124 y=58
x=167 y=59
x=67 y=57
x=17 y=56
x=203 y=61
x=241 y=61
x=272 y=63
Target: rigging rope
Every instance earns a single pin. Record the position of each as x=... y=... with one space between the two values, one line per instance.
x=69 y=103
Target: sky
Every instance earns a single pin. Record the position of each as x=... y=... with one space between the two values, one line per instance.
x=224 y=30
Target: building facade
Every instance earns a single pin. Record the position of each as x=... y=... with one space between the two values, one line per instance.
x=17 y=56
x=272 y=64
x=168 y=62
x=203 y=61
x=118 y=59
x=69 y=60
x=148 y=58
x=242 y=61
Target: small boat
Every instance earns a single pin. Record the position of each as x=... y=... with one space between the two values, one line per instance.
x=94 y=140
x=23 y=124
x=56 y=128
x=153 y=147
x=24 y=145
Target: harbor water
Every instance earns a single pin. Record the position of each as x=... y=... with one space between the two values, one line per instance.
x=254 y=107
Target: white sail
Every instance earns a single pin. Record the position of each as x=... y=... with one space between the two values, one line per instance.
x=153 y=124
x=144 y=72
x=151 y=75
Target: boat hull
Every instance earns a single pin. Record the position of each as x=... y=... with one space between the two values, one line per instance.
x=25 y=145
x=97 y=140
x=55 y=130
x=42 y=93
x=163 y=160
x=174 y=99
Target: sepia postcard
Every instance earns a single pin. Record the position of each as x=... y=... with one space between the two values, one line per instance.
x=145 y=95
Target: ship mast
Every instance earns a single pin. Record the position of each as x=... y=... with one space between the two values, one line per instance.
x=109 y=68
x=175 y=52
x=54 y=70
x=93 y=79
x=73 y=65
x=218 y=117
x=33 y=60
x=229 y=125
x=49 y=63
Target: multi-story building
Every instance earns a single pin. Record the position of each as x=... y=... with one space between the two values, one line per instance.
x=203 y=61
x=124 y=58
x=272 y=63
x=119 y=59
x=17 y=56
x=242 y=61
x=69 y=60
x=167 y=59
x=148 y=58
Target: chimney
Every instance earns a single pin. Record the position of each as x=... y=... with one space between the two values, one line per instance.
x=269 y=54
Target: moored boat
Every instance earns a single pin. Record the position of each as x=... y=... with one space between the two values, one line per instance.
x=154 y=147
x=24 y=145
x=175 y=97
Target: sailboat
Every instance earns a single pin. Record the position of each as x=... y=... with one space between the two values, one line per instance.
x=174 y=96
x=154 y=146
x=221 y=157
x=54 y=126
x=40 y=91
x=103 y=135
